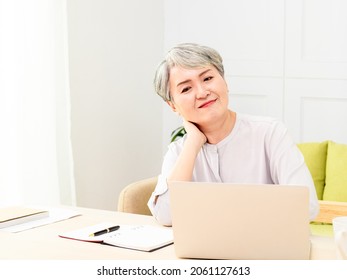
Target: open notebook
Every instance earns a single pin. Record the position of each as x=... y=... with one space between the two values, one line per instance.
x=138 y=237
x=233 y=221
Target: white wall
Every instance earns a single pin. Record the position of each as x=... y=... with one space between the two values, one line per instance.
x=114 y=47
x=316 y=69
x=286 y=59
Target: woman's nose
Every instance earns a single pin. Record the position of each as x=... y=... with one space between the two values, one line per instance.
x=202 y=92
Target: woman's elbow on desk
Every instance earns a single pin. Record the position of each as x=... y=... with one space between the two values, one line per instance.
x=164 y=221
x=162 y=217
x=160 y=209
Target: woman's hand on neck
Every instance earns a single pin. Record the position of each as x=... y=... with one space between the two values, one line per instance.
x=194 y=134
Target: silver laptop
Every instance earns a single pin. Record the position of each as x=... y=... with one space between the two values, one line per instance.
x=239 y=221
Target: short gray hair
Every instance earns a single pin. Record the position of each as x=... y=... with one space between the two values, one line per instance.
x=187 y=55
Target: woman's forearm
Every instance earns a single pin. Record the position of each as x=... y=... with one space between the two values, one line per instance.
x=184 y=166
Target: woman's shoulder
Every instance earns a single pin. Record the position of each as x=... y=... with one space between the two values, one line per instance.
x=257 y=120
x=177 y=144
x=262 y=126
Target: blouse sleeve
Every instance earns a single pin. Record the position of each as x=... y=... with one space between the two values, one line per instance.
x=161 y=208
x=287 y=164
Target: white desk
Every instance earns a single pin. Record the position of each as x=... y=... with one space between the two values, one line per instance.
x=44 y=242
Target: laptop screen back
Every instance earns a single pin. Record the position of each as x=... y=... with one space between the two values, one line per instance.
x=238 y=221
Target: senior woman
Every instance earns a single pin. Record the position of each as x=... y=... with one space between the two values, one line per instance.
x=220 y=145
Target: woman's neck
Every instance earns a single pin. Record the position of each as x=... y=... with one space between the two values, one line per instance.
x=219 y=130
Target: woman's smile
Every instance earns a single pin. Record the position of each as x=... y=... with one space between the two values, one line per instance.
x=207 y=103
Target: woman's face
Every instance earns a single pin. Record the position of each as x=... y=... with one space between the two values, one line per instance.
x=199 y=95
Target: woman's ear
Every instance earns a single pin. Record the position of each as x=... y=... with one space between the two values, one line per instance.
x=172 y=105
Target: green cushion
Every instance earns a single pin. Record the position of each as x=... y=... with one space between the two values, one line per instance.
x=315 y=155
x=336 y=173
x=322 y=229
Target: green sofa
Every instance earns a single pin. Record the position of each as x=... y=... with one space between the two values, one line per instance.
x=327 y=162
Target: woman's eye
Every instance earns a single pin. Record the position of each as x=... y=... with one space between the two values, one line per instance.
x=208 y=78
x=185 y=89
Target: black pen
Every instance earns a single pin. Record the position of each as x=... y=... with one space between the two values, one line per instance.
x=106 y=230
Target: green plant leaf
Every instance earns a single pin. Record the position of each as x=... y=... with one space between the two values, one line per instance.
x=178 y=133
